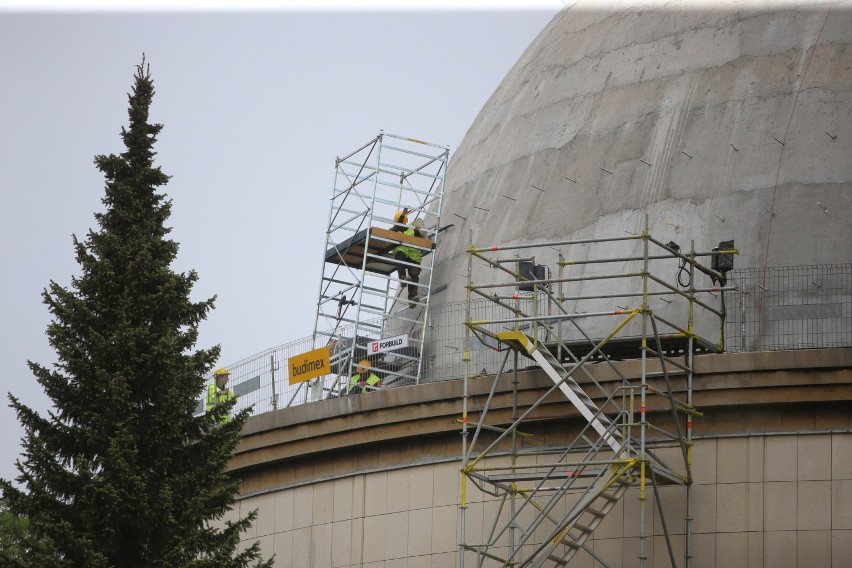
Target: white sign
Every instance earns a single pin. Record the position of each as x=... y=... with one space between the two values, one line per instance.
x=387 y=344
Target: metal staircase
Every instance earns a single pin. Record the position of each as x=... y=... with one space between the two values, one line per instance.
x=564 y=381
x=550 y=499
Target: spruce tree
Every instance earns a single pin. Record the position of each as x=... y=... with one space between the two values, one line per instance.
x=121 y=472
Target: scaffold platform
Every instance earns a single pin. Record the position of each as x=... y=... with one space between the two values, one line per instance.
x=372 y=249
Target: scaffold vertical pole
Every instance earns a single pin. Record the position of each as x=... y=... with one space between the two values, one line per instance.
x=642 y=392
x=466 y=361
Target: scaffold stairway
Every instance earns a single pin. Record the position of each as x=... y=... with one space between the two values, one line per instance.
x=359 y=303
x=616 y=445
x=563 y=380
x=587 y=514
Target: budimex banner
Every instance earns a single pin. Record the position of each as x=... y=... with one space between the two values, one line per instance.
x=310 y=365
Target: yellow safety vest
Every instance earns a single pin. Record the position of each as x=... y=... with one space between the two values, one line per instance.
x=372 y=381
x=413 y=254
x=214 y=398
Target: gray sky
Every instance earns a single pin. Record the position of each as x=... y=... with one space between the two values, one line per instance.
x=256 y=106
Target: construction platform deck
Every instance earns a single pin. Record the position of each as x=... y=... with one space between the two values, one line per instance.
x=623 y=348
x=377 y=245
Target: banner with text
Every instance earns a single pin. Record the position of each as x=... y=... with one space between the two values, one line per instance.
x=310 y=365
x=387 y=344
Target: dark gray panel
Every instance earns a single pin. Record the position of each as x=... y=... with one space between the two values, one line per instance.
x=804 y=311
x=248 y=386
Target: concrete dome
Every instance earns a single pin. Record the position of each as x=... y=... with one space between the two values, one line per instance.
x=720 y=123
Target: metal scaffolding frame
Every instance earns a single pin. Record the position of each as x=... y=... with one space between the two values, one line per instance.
x=359 y=284
x=548 y=499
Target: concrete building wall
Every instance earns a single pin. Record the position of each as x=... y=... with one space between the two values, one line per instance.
x=723 y=121
x=720 y=121
x=374 y=480
x=780 y=501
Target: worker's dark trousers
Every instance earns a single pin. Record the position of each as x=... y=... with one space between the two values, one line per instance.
x=413 y=273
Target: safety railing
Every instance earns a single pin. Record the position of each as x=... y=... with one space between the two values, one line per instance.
x=790 y=307
x=794 y=307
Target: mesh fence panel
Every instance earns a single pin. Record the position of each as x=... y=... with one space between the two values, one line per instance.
x=796 y=307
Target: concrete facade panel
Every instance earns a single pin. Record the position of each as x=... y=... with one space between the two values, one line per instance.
x=398 y=490
x=756 y=506
x=780 y=502
x=755 y=458
x=704 y=551
x=814 y=548
x=420 y=562
x=419 y=532
x=732 y=549
x=662 y=554
x=444 y=531
x=814 y=457
x=265 y=521
x=841 y=456
x=447 y=559
x=301 y=553
x=357 y=541
x=282 y=546
x=780 y=548
x=841 y=548
x=814 y=505
x=283 y=511
x=704 y=462
x=375 y=531
x=323 y=503
x=841 y=504
x=396 y=535
x=246 y=507
x=342 y=499
x=781 y=458
x=733 y=463
x=474 y=523
x=376 y=494
x=732 y=507
x=446 y=479
x=421 y=480
x=704 y=508
x=673 y=500
x=341 y=544
x=303 y=506
x=610 y=551
x=321 y=538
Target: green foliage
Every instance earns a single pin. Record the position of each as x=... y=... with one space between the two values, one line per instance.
x=121 y=473
x=13 y=537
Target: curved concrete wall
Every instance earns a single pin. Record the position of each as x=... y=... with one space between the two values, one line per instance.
x=373 y=480
x=718 y=123
x=723 y=122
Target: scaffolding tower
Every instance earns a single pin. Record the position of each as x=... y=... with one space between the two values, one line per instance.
x=547 y=499
x=361 y=295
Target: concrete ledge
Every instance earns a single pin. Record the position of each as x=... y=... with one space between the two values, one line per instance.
x=725 y=384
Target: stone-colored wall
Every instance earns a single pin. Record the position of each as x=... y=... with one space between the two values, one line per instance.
x=374 y=481
x=780 y=501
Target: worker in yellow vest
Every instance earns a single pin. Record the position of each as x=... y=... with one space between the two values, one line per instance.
x=218 y=391
x=408 y=254
x=365 y=380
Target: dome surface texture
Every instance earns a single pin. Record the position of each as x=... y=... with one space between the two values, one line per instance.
x=731 y=121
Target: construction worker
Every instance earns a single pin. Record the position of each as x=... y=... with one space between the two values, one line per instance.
x=218 y=391
x=404 y=253
x=365 y=380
